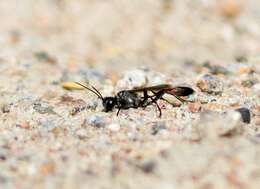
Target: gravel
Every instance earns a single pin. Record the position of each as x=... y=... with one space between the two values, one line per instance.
x=52 y=137
x=210 y=84
x=132 y=79
x=97 y=121
x=212 y=124
x=157 y=127
x=245 y=114
x=114 y=127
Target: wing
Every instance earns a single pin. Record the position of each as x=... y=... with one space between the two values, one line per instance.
x=152 y=88
x=167 y=88
x=180 y=91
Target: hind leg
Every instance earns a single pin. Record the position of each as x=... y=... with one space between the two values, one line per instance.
x=154 y=101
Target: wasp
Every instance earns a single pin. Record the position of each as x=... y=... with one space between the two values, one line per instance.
x=140 y=97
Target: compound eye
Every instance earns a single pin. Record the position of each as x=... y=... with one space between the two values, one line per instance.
x=110 y=103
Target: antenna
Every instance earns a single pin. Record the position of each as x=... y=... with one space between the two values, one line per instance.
x=94 y=90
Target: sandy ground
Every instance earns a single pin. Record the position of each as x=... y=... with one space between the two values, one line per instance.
x=51 y=137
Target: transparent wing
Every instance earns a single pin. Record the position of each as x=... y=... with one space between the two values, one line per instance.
x=152 y=88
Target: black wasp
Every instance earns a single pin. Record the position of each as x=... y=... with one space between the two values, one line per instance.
x=139 y=97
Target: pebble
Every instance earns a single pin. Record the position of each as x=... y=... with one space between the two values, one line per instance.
x=194 y=107
x=78 y=106
x=82 y=133
x=212 y=123
x=90 y=74
x=249 y=83
x=47 y=125
x=114 y=127
x=230 y=8
x=6 y=108
x=43 y=56
x=241 y=58
x=132 y=79
x=24 y=125
x=96 y=121
x=231 y=123
x=2 y=157
x=47 y=168
x=192 y=133
x=148 y=166
x=155 y=78
x=245 y=114
x=92 y=105
x=216 y=69
x=43 y=108
x=157 y=127
x=210 y=84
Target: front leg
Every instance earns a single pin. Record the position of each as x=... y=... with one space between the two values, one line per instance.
x=119 y=108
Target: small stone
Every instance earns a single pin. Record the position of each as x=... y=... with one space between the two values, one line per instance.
x=24 y=125
x=249 y=83
x=148 y=166
x=241 y=58
x=230 y=8
x=78 y=106
x=76 y=110
x=114 y=127
x=192 y=133
x=245 y=70
x=194 y=107
x=47 y=125
x=90 y=74
x=216 y=69
x=157 y=127
x=231 y=123
x=2 y=157
x=92 y=105
x=155 y=78
x=245 y=114
x=213 y=124
x=210 y=84
x=6 y=108
x=82 y=134
x=43 y=56
x=96 y=121
x=43 y=108
x=47 y=168
x=132 y=79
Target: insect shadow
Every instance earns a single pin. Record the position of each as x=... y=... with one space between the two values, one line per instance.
x=140 y=97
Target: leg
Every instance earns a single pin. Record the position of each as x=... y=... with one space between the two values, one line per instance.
x=179 y=98
x=118 y=111
x=156 y=96
x=153 y=99
x=158 y=107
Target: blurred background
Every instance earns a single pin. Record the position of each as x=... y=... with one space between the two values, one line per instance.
x=56 y=138
x=153 y=33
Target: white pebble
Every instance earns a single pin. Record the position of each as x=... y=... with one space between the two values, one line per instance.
x=131 y=79
x=82 y=133
x=114 y=127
